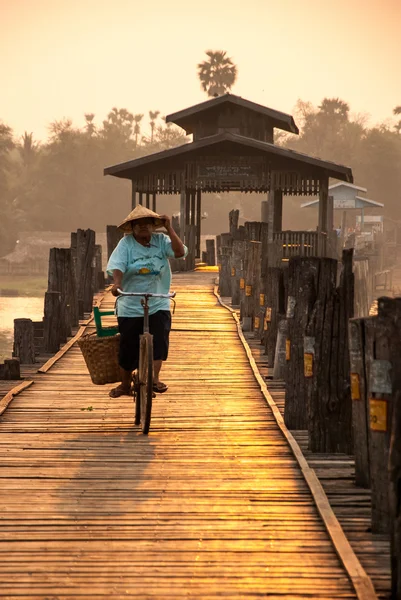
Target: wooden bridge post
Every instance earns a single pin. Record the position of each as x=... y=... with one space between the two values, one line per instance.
x=190 y=241
x=362 y=295
x=264 y=285
x=10 y=369
x=51 y=330
x=237 y=259
x=303 y=277
x=85 y=252
x=326 y=360
x=61 y=279
x=233 y=218
x=24 y=341
x=225 y=264
x=97 y=269
x=218 y=248
x=252 y=278
x=210 y=252
x=114 y=235
x=252 y=231
x=225 y=271
x=360 y=416
x=392 y=309
x=274 y=310
x=280 y=356
x=378 y=367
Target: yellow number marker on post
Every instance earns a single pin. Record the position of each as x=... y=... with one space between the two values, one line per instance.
x=378 y=414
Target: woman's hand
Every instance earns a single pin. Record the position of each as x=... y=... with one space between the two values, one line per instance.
x=115 y=288
x=166 y=221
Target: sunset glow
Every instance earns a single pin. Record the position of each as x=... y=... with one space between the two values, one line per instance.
x=62 y=59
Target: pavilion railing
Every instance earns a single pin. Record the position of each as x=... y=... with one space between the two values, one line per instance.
x=301 y=243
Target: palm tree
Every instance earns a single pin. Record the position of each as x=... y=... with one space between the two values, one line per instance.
x=153 y=116
x=397 y=111
x=137 y=127
x=28 y=148
x=90 y=126
x=217 y=74
x=334 y=108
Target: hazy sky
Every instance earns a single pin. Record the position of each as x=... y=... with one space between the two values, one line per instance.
x=62 y=58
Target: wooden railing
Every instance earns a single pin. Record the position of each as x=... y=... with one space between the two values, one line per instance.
x=299 y=243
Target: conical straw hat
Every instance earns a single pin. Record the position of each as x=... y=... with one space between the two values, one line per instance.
x=139 y=212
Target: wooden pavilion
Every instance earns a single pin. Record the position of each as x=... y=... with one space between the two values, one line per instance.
x=233 y=150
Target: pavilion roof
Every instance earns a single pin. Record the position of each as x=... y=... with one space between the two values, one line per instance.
x=185 y=118
x=225 y=145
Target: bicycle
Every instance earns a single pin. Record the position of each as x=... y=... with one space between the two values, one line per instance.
x=143 y=376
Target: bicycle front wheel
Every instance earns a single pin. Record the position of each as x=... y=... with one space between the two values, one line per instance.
x=146 y=380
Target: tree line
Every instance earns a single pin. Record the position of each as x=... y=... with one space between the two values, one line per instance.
x=59 y=185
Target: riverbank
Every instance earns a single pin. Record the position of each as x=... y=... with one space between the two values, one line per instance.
x=23 y=285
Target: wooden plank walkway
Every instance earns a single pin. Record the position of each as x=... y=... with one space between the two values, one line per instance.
x=211 y=504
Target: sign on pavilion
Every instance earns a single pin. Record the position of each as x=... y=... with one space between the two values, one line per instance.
x=232 y=150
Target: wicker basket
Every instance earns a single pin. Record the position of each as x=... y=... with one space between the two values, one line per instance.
x=101 y=357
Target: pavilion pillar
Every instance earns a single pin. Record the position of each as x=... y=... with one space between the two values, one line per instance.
x=193 y=212
x=198 y=222
x=182 y=213
x=187 y=209
x=274 y=213
x=330 y=213
x=154 y=202
x=147 y=200
x=323 y=205
x=140 y=198
x=324 y=219
x=264 y=211
x=133 y=194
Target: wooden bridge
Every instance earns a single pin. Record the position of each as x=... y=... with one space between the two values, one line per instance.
x=217 y=502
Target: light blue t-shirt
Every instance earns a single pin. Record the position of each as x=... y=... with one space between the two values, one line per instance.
x=146 y=269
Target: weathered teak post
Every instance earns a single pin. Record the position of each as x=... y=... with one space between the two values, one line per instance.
x=252 y=278
x=113 y=235
x=360 y=414
x=237 y=270
x=210 y=252
x=85 y=254
x=391 y=309
x=274 y=309
x=378 y=357
x=305 y=277
x=52 y=322
x=61 y=279
x=24 y=342
x=10 y=369
x=225 y=272
x=326 y=360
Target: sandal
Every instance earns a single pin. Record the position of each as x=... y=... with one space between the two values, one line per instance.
x=119 y=391
x=160 y=387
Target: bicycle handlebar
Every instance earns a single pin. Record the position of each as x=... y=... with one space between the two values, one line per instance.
x=147 y=294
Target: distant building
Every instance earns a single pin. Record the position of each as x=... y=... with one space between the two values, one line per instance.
x=347 y=197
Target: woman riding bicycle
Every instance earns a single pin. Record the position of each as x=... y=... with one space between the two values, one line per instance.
x=140 y=263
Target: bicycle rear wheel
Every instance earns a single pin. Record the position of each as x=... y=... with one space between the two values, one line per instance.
x=137 y=397
x=145 y=373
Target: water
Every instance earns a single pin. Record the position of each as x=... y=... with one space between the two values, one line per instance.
x=16 y=308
